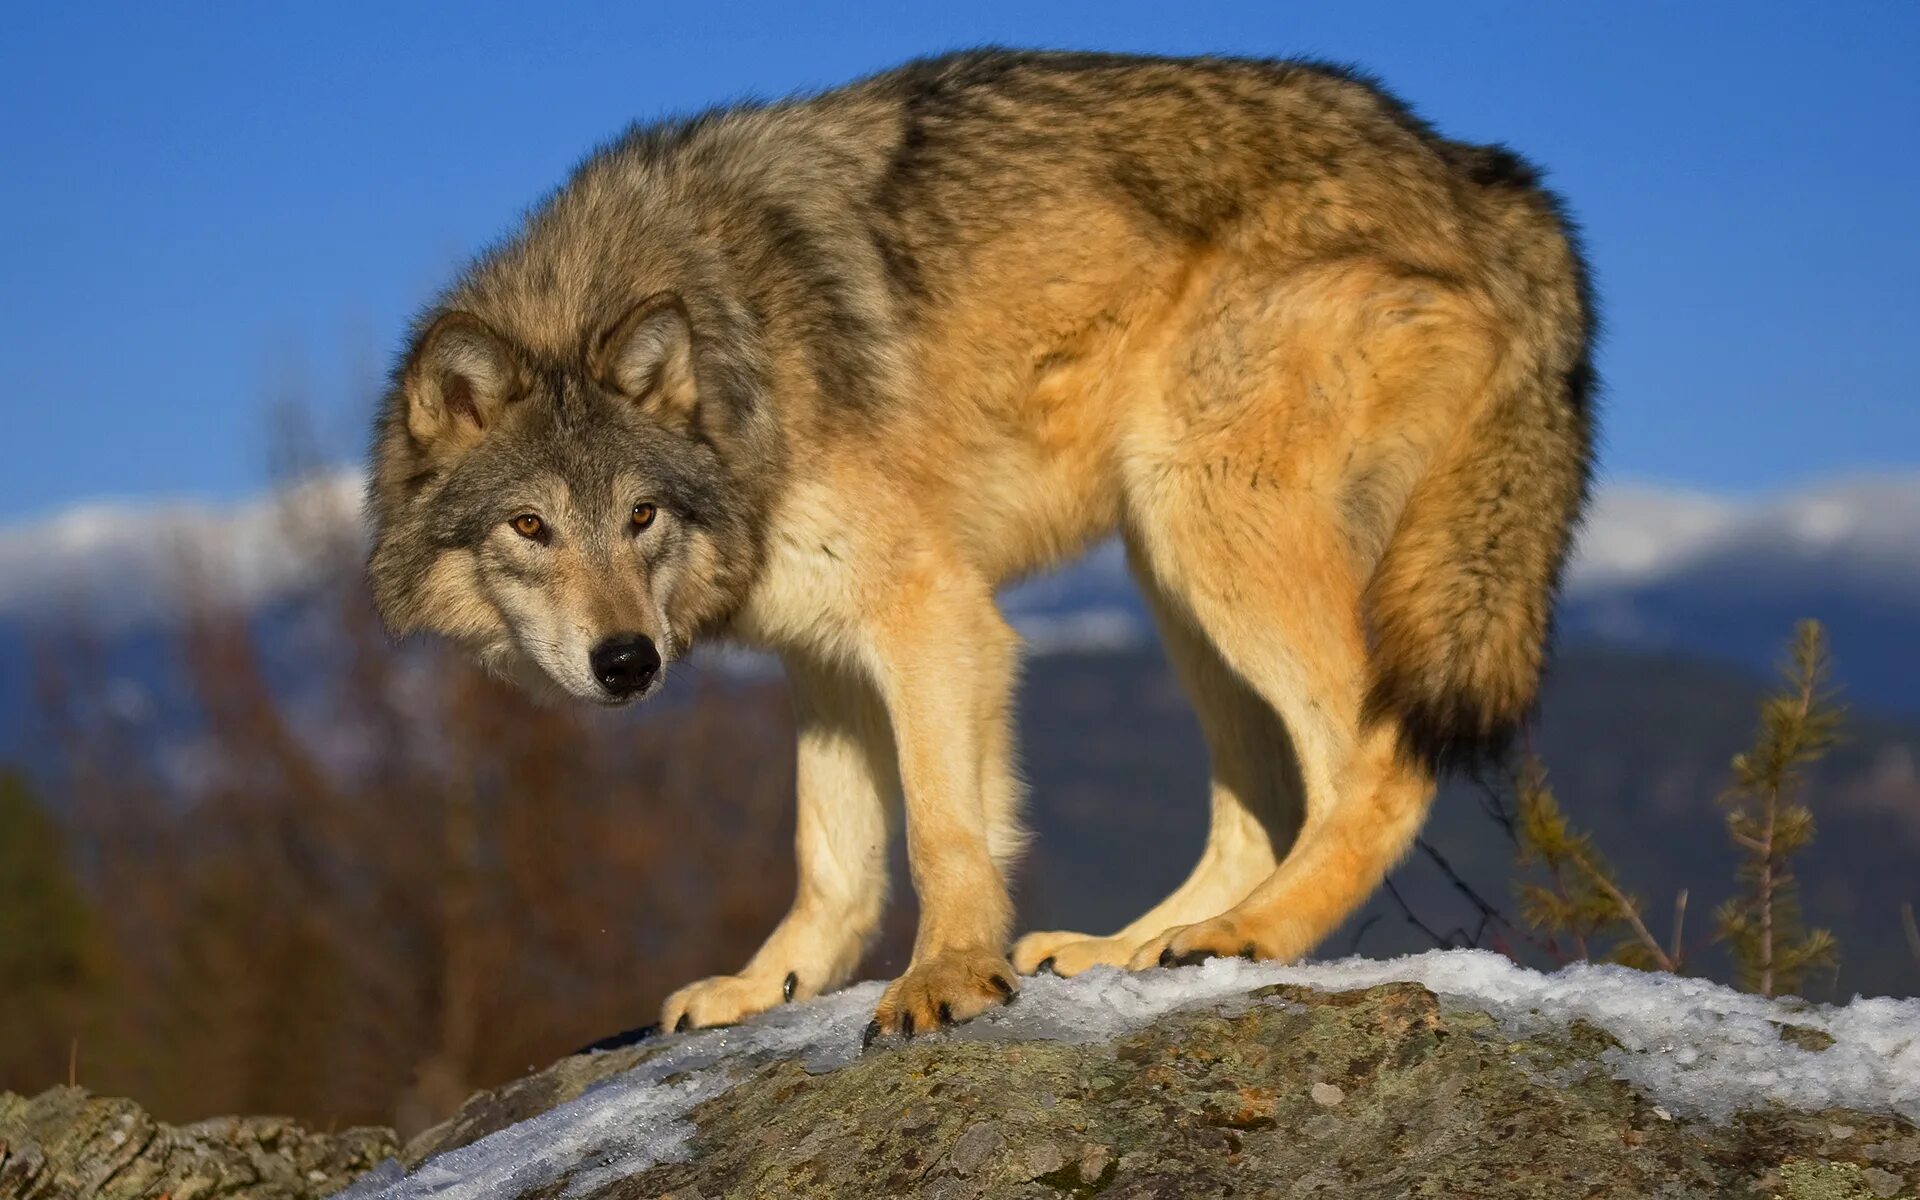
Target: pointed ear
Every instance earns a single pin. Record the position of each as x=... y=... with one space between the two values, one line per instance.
x=458 y=382
x=647 y=356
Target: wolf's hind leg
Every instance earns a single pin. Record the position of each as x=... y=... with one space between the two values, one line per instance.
x=1255 y=801
x=1284 y=614
x=846 y=782
x=1264 y=495
x=1336 y=865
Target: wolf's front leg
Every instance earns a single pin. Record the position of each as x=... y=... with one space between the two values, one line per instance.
x=945 y=661
x=847 y=779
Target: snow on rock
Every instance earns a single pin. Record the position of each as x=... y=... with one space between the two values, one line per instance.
x=1695 y=1048
x=1698 y=1048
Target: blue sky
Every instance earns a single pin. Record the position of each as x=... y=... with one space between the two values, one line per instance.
x=206 y=206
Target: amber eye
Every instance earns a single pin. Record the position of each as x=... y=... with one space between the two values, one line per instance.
x=643 y=515
x=528 y=526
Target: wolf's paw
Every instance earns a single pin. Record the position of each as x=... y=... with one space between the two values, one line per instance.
x=726 y=1000
x=949 y=987
x=1184 y=945
x=1061 y=953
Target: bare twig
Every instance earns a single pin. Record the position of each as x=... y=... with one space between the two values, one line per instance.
x=1679 y=928
x=1488 y=912
x=1414 y=920
x=1912 y=930
x=1495 y=806
x=1353 y=946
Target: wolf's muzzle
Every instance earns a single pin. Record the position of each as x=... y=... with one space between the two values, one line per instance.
x=625 y=664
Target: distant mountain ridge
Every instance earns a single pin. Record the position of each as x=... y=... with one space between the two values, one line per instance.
x=124 y=559
x=1634 y=536
x=1656 y=568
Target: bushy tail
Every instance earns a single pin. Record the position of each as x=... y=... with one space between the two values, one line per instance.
x=1463 y=599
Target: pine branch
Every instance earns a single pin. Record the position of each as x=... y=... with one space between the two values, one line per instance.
x=1583 y=898
x=1627 y=910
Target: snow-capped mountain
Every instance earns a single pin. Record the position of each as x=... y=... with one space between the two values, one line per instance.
x=1726 y=579
x=124 y=562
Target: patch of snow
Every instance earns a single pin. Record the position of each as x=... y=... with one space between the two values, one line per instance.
x=1699 y=1049
x=637 y=1120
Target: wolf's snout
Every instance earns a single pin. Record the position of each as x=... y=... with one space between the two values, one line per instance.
x=625 y=664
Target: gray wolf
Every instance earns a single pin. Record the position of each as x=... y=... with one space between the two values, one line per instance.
x=821 y=375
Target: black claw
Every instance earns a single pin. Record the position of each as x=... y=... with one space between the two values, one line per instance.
x=786 y=989
x=1166 y=957
x=1193 y=958
x=946 y=1013
x=906 y=1025
x=873 y=1031
x=680 y=1026
x=1006 y=989
x=1249 y=952
x=1045 y=967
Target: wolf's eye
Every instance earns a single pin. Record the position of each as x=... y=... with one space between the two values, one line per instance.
x=643 y=515
x=528 y=526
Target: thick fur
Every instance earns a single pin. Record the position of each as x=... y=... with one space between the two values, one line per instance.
x=871 y=354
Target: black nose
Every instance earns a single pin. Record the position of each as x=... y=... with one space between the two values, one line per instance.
x=625 y=663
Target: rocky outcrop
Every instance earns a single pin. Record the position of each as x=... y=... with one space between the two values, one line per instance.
x=1382 y=1092
x=1285 y=1091
x=65 y=1143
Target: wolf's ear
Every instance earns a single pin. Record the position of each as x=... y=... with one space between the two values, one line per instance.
x=460 y=378
x=647 y=356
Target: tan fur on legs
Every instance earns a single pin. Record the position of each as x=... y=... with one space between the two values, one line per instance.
x=1255 y=803
x=847 y=788
x=943 y=658
x=1002 y=790
x=1334 y=867
x=1297 y=641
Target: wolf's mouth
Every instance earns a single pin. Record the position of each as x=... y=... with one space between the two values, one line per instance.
x=601 y=699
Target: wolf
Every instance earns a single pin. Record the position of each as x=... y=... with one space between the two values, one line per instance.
x=822 y=375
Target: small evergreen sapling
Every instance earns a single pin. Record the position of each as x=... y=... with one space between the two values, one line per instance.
x=1581 y=899
x=1798 y=725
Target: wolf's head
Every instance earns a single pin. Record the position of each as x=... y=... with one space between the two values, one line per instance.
x=571 y=522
